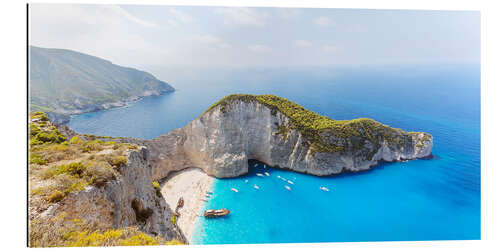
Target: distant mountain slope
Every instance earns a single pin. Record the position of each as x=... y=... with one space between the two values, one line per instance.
x=69 y=82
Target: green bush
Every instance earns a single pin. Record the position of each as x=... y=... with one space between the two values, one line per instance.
x=156 y=185
x=34 y=129
x=37 y=159
x=39 y=115
x=89 y=146
x=56 y=196
x=55 y=136
x=76 y=140
x=117 y=160
x=74 y=169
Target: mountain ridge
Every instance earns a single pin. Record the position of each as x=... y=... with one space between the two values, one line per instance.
x=67 y=82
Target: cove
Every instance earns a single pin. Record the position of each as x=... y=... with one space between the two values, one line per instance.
x=436 y=199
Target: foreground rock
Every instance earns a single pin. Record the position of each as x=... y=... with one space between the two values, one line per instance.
x=130 y=200
x=281 y=134
x=84 y=190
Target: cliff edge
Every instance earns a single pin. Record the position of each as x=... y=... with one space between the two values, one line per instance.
x=282 y=134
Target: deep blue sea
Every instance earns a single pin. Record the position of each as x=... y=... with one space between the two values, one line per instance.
x=436 y=199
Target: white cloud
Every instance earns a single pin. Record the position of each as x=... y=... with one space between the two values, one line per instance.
x=288 y=13
x=259 y=48
x=100 y=30
x=324 y=21
x=212 y=40
x=178 y=17
x=120 y=11
x=243 y=16
x=330 y=48
x=302 y=44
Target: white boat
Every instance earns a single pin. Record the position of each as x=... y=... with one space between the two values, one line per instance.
x=287 y=187
x=324 y=189
x=264 y=166
x=246 y=181
x=260 y=175
x=279 y=177
x=255 y=186
x=266 y=173
x=234 y=190
x=289 y=181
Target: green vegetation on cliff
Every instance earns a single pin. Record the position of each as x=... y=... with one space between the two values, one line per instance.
x=348 y=135
x=59 y=166
x=64 y=231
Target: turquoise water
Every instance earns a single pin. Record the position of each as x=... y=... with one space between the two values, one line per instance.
x=436 y=199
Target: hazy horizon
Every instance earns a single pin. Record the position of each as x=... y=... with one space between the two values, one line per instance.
x=152 y=37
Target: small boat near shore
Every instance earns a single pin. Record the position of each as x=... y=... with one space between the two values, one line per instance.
x=255 y=186
x=214 y=213
x=324 y=189
x=208 y=192
x=287 y=187
x=234 y=190
x=260 y=175
x=289 y=181
x=266 y=173
x=246 y=181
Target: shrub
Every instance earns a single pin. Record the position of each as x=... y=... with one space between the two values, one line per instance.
x=74 y=169
x=54 y=136
x=34 y=129
x=85 y=239
x=156 y=186
x=76 y=140
x=140 y=239
x=39 y=115
x=117 y=160
x=37 y=159
x=90 y=146
x=34 y=142
x=99 y=174
x=62 y=231
x=56 y=196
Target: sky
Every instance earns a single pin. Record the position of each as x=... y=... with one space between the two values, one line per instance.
x=175 y=36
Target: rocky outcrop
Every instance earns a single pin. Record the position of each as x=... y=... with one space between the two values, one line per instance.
x=129 y=200
x=281 y=134
x=58 y=119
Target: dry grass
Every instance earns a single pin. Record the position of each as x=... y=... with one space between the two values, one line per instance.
x=58 y=168
x=61 y=231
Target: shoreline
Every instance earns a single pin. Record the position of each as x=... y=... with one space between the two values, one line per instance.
x=65 y=118
x=191 y=184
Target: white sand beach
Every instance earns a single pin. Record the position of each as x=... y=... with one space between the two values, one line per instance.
x=191 y=184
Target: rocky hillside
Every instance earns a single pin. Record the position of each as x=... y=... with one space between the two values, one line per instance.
x=282 y=134
x=68 y=82
x=86 y=192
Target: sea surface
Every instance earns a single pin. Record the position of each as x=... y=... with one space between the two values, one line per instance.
x=436 y=199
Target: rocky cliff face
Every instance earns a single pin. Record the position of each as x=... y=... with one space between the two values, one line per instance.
x=282 y=134
x=130 y=200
